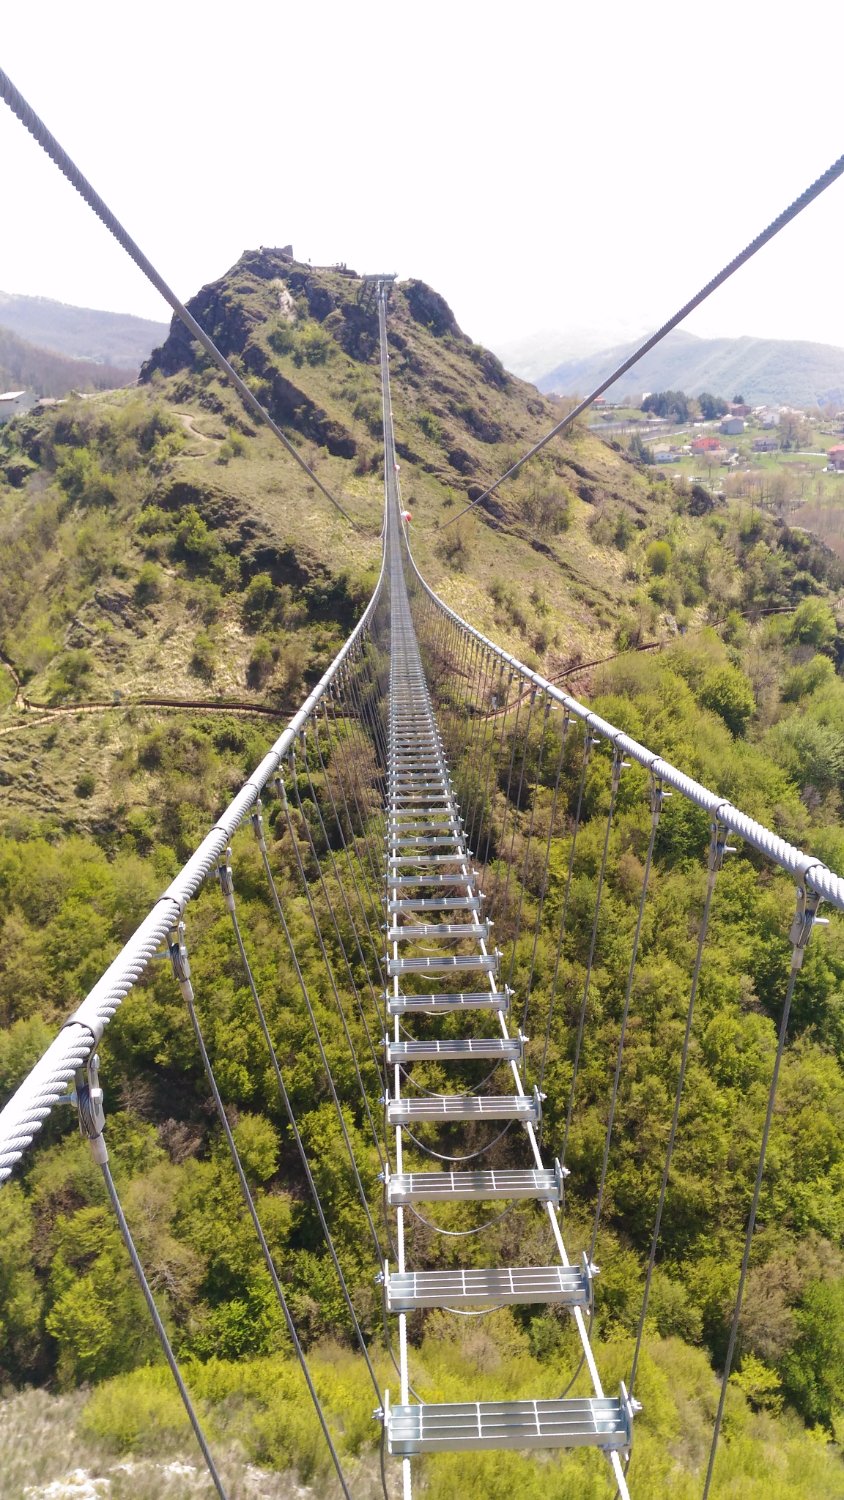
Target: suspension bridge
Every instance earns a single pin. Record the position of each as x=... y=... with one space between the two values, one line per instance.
x=421 y=793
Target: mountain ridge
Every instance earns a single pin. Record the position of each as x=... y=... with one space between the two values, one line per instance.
x=766 y=371
x=87 y=333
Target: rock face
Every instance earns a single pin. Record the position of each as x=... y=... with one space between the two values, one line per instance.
x=430 y=309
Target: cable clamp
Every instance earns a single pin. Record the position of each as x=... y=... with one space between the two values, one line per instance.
x=224 y=875
x=88 y=1098
x=258 y=825
x=178 y=955
x=805 y=919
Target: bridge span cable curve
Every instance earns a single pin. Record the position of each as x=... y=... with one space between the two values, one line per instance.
x=808 y=196
x=48 y=143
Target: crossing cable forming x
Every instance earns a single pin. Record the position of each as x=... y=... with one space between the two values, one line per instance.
x=36 y=127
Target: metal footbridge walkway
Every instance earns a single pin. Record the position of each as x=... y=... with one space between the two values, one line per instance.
x=426 y=838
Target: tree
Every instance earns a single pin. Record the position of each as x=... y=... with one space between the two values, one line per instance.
x=711 y=406
x=728 y=693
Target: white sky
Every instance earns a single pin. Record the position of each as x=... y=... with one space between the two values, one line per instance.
x=543 y=165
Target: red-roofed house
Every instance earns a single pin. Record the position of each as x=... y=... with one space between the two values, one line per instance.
x=836 y=457
x=705 y=444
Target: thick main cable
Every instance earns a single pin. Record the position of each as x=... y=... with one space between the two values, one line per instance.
x=36 y=127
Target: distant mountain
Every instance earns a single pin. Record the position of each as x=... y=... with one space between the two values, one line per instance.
x=789 y=371
x=531 y=355
x=82 y=332
x=24 y=366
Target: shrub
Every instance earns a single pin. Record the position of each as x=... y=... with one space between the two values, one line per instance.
x=813 y=624
x=148 y=584
x=728 y=693
x=658 y=557
x=261 y=663
x=86 y=785
x=203 y=661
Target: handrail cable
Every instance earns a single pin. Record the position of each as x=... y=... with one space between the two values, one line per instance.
x=36 y=127
x=808 y=196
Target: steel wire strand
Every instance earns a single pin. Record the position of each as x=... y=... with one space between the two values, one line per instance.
x=468 y=1155
x=716 y=849
x=48 y=143
x=492 y=777
x=516 y=810
x=546 y=865
x=496 y=879
x=476 y=753
x=265 y=859
x=364 y=821
x=323 y=948
x=528 y=841
x=796 y=960
x=462 y=1234
x=355 y=863
x=300 y=1145
x=352 y=923
x=657 y=797
x=435 y=1093
x=806 y=197
x=363 y=732
x=593 y=940
x=552 y=994
x=265 y=1249
x=160 y=1330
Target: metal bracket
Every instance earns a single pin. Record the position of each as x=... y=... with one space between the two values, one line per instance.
x=88 y=1098
x=805 y=919
x=224 y=875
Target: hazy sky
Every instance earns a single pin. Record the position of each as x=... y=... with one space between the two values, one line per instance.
x=542 y=165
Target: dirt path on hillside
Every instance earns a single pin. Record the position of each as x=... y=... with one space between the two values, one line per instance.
x=42 y=713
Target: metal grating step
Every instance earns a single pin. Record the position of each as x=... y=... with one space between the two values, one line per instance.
x=484 y=963
x=525 y=1107
x=543 y=1184
x=442 y=932
x=408 y=1290
x=418 y=882
x=497 y=1000
x=433 y=903
x=604 y=1422
x=457 y=1049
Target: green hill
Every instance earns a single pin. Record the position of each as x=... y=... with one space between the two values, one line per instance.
x=172 y=583
x=766 y=371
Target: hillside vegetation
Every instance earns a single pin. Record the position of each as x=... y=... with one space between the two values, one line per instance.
x=160 y=547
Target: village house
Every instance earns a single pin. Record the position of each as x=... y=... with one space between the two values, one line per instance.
x=765 y=445
x=12 y=403
x=836 y=458
x=732 y=425
x=706 y=445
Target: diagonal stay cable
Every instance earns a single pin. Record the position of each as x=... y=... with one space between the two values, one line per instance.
x=36 y=127
x=812 y=192
x=181 y=970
